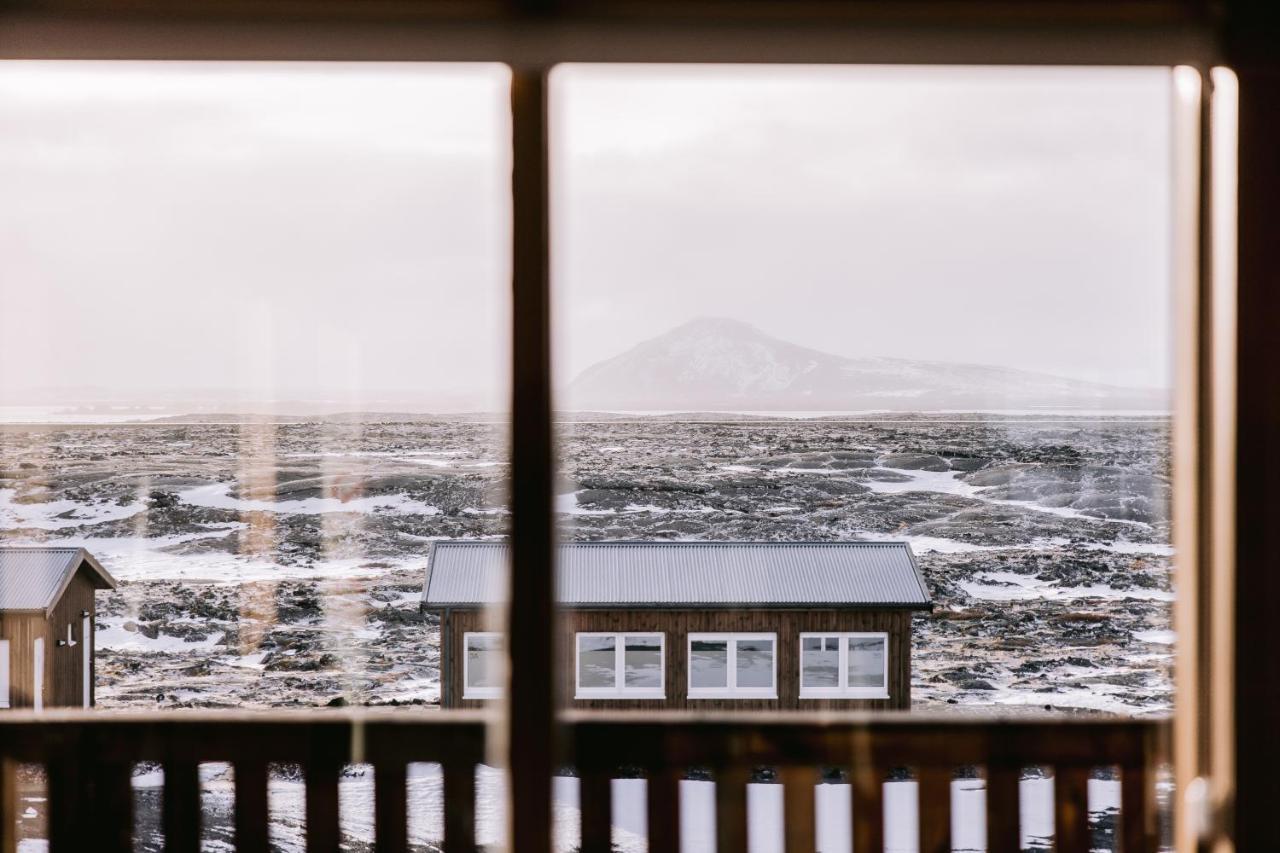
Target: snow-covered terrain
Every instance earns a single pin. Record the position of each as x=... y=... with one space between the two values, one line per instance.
x=715 y=363
x=279 y=565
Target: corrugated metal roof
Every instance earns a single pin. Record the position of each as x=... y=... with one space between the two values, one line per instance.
x=697 y=574
x=35 y=578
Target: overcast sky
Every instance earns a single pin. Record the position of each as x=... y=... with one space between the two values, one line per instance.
x=341 y=232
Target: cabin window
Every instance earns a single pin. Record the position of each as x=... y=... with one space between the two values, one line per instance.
x=844 y=665
x=482 y=666
x=621 y=665
x=733 y=665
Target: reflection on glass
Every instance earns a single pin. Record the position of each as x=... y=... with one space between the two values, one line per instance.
x=708 y=663
x=484 y=653
x=820 y=661
x=643 y=663
x=866 y=662
x=596 y=661
x=755 y=663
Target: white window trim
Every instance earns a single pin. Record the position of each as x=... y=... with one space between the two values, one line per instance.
x=732 y=691
x=844 y=691
x=469 y=692
x=6 y=670
x=619 y=689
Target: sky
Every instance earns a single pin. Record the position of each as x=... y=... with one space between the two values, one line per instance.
x=242 y=232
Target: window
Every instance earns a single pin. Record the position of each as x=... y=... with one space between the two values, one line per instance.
x=482 y=666
x=844 y=665
x=621 y=666
x=4 y=673
x=733 y=665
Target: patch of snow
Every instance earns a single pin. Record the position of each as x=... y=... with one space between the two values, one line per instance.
x=1159 y=637
x=59 y=514
x=1011 y=586
x=218 y=496
x=112 y=635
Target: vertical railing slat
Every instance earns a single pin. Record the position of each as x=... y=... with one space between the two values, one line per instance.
x=731 y=810
x=596 y=795
x=1135 y=811
x=9 y=810
x=799 y=818
x=180 y=809
x=252 y=814
x=663 y=805
x=459 y=807
x=323 y=832
x=390 y=809
x=934 y=798
x=868 y=809
x=1004 y=825
x=111 y=815
x=1071 y=809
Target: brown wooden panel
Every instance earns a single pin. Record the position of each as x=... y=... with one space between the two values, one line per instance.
x=8 y=805
x=1136 y=813
x=1071 y=809
x=1003 y=820
x=934 y=787
x=390 y=812
x=596 y=796
x=68 y=828
x=111 y=815
x=459 y=808
x=180 y=809
x=799 y=812
x=323 y=834
x=731 y=810
x=663 y=810
x=868 y=809
x=252 y=814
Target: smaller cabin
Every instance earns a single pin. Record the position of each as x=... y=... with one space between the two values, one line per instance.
x=47 y=625
x=695 y=625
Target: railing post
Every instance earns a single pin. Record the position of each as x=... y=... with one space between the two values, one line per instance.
x=323 y=832
x=662 y=792
x=867 y=787
x=1004 y=825
x=252 y=816
x=799 y=811
x=731 y=809
x=1071 y=809
x=8 y=805
x=459 y=807
x=180 y=809
x=934 y=806
x=390 y=812
x=596 y=801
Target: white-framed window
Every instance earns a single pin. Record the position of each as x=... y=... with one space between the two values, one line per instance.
x=844 y=665
x=620 y=665
x=483 y=659
x=740 y=666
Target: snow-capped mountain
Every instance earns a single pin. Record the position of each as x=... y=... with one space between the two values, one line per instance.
x=717 y=364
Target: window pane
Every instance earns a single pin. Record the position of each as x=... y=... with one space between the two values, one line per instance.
x=866 y=662
x=820 y=662
x=596 y=661
x=484 y=663
x=643 y=661
x=755 y=663
x=708 y=663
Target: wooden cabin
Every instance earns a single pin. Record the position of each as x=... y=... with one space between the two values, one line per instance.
x=47 y=621
x=709 y=625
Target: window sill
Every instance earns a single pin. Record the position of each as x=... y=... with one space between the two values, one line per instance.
x=483 y=694
x=843 y=694
x=615 y=695
x=732 y=695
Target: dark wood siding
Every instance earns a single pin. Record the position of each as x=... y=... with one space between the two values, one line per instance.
x=677 y=625
x=63 y=665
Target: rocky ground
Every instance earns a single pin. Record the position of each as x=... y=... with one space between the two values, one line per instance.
x=280 y=565
x=276 y=565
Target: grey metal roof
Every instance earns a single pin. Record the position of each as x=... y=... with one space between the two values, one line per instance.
x=35 y=578
x=692 y=574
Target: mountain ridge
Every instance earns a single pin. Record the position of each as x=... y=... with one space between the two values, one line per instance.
x=716 y=363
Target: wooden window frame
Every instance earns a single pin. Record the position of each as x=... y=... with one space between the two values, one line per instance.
x=732 y=691
x=469 y=692
x=1227 y=476
x=845 y=691
x=620 y=689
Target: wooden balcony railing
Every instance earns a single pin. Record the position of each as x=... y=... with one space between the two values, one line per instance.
x=89 y=758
